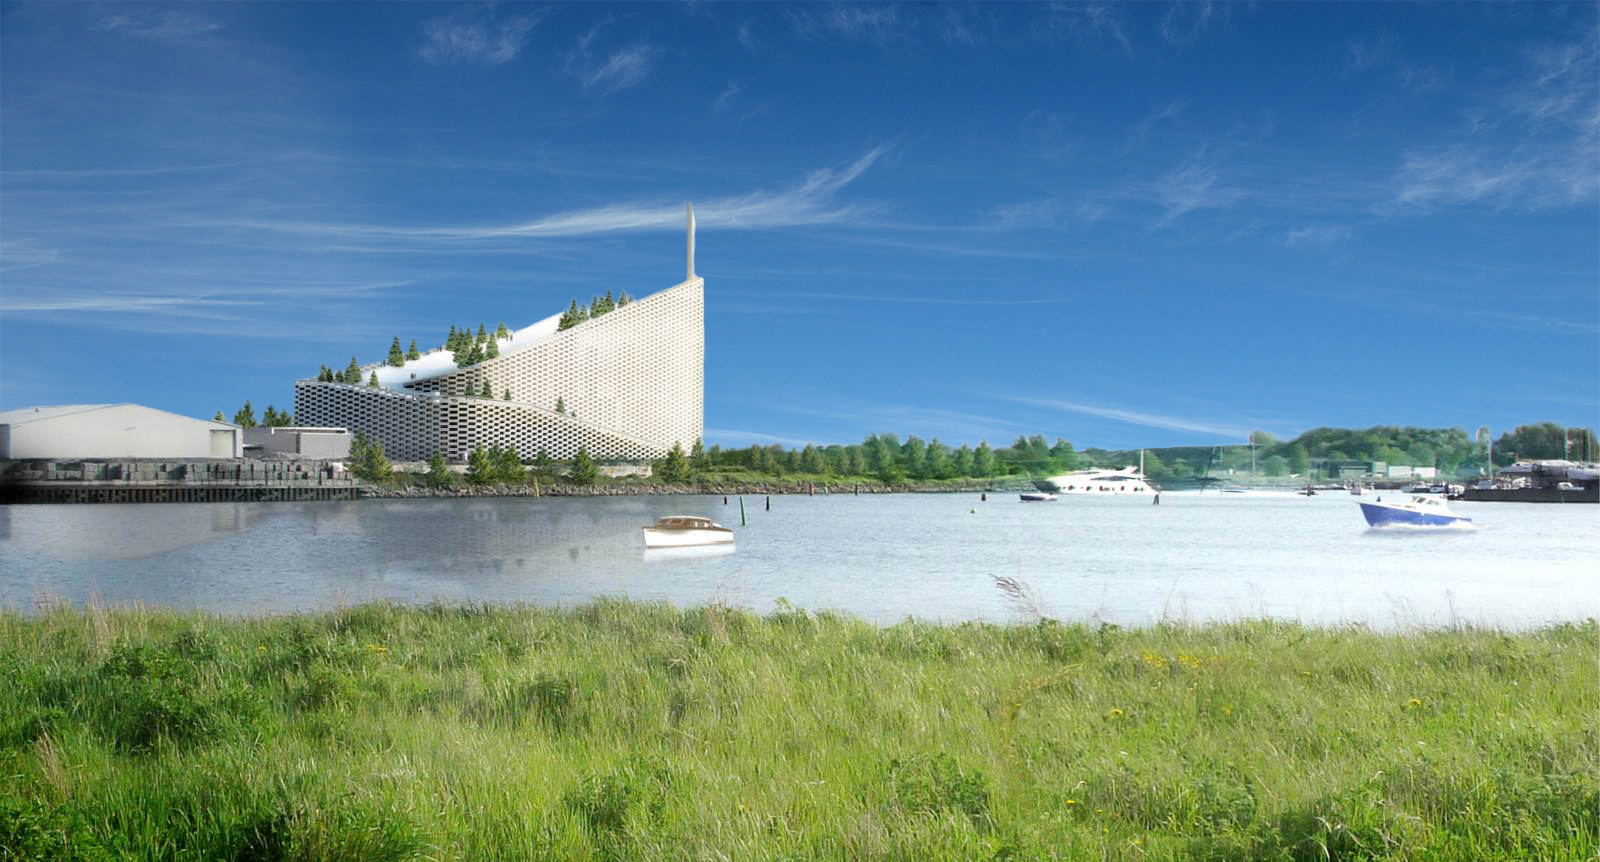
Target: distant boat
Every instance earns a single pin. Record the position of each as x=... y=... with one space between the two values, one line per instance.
x=1128 y=480
x=1416 y=512
x=1037 y=497
x=683 y=531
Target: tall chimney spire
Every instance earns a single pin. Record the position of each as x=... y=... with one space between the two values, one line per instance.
x=690 y=206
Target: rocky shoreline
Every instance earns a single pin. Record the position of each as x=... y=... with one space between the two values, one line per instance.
x=651 y=489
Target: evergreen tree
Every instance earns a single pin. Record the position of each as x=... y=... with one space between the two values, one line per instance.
x=480 y=469
x=570 y=318
x=483 y=334
x=583 y=470
x=623 y=299
x=245 y=417
x=583 y=314
x=461 y=353
x=937 y=463
x=358 y=450
x=561 y=406
x=325 y=375
x=439 y=473
x=674 y=467
x=375 y=465
x=697 y=455
x=502 y=332
x=508 y=395
x=218 y=417
x=285 y=419
x=269 y=418
x=372 y=382
x=542 y=462
x=492 y=351
x=961 y=461
x=510 y=467
x=413 y=353
x=983 y=460
x=475 y=354
x=352 y=372
x=453 y=341
x=397 y=357
x=602 y=304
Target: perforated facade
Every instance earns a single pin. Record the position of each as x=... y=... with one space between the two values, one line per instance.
x=631 y=383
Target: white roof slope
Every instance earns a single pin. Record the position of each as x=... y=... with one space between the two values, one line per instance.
x=440 y=361
x=36 y=414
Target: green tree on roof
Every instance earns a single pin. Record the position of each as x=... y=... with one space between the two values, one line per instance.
x=352 y=372
x=502 y=332
x=413 y=353
x=450 y=342
x=483 y=334
x=372 y=382
x=561 y=406
x=397 y=357
x=245 y=417
x=492 y=351
x=623 y=299
x=218 y=417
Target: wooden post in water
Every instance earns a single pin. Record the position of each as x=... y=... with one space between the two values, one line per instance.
x=769 y=502
x=741 y=511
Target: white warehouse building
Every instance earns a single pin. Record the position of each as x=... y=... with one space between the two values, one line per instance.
x=625 y=385
x=78 y=431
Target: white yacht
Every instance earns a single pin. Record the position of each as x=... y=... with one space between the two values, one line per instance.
x=1128 y=480
x=682 y=531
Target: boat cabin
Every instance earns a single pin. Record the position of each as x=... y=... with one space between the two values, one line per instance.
x=686 y=522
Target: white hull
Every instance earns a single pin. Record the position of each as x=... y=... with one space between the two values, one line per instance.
x=1098 y=483
x=654 y=538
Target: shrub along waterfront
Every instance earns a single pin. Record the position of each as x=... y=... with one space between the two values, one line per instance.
x=630 y=731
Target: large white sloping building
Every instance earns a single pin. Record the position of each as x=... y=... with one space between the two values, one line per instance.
x=77 y=431
x=629 y=384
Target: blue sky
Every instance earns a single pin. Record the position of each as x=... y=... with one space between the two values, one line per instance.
x=1124 y=225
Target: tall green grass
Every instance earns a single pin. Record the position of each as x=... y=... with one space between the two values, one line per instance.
x=634 y=731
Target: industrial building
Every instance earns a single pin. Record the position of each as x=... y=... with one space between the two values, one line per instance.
x=317 y=444
x=113 y=431
x=627 y=385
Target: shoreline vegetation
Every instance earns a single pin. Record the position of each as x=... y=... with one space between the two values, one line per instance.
x=884 y=462
x=622 y=730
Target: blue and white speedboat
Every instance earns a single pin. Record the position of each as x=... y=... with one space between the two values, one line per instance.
x=1416 y=512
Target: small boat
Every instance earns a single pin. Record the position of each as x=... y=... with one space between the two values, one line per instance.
x=1037 y=497
x=684 y=531
x=1416 y=512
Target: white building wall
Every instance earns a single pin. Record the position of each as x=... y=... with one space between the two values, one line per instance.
x=119 y=431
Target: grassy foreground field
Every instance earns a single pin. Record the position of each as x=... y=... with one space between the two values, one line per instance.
x=628 y=731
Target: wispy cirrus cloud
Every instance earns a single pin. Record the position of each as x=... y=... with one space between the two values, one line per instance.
x=601 y=72
x=876 y=25
x=25 y=254
x=1198 y=183
x=470 y=36
x=1133 y=417
x=1534 y=145
x=1095 y=23
x=1317 y=235
x=811 y=201
x=159 y=25
x=734 y=90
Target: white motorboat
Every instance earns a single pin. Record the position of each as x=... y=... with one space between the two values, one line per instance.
x=1416 y=512
x=1128 y=480
x=686 y=531
x=1037 y=497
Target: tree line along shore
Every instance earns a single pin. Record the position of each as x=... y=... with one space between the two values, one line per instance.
x=620 y=730
x=884 y=460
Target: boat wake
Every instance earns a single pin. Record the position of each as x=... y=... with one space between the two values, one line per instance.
x=1396 y=529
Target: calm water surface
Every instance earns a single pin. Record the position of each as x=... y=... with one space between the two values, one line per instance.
x=882 y=557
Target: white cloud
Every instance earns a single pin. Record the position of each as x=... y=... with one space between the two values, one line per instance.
x=877 y=25
x=620 y=69
x=165 y=25
x=1085 y=22
x=1534 y=145
x=734 y=90
x=1148 y=420
x=1317 y=234
x=466 y=37
x=810 y=201
x=1196 y=184
x=24 y=254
